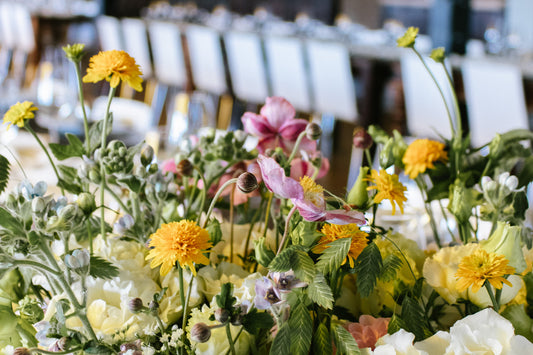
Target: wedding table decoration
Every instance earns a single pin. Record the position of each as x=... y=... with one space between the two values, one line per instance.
x=223 y=249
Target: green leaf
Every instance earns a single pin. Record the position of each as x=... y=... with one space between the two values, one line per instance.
x=93 y=347
x=391 y=264
x=254 y=321
x=102 y=268
x=65 y=151
x=282 y=342
x=303 y=266
x=4 y=173
x=322 y=341
x=344 y=341
x=395 y=324
x=305 y=234
x=301 y=329
x=10 y=223
x=522 y=324
x=333 y=257
x=320 y=292
x=368 y=268
x=283 y=261
x=68 y=179
x=95 y=132
x=414 y=318
x=132 y=182
x=214 y=230
x=225 y=299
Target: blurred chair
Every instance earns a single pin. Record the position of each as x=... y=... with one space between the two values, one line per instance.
x=426 y=112
x=109 y=32
x=136 y=43
x=246 y=66
x=495 y=99
x=287 y=69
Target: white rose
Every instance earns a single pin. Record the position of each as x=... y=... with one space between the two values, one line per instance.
x=213 y=279
x=399 y=343
x=435 y=344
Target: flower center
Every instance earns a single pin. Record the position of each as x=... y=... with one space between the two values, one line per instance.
x=313 y=192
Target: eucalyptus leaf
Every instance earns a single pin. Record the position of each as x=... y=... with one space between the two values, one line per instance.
x=4 y=173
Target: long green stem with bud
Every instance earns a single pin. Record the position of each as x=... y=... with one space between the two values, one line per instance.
x=494 y=300
x=230 y=340
x=217 y=195
x=296 y=146
x=286 y=232
x=82 y=103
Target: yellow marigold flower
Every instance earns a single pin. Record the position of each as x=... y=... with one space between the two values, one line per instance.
x=408 y=39
x=389 y=188
x=333 y=232
x=114 y=66
x=183 y=242
x=421 y=154
x=481 y=266
x=18 y=113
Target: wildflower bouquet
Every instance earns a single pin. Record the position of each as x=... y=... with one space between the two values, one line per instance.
x=227 y=250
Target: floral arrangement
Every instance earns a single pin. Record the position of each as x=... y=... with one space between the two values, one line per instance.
x=226 y=250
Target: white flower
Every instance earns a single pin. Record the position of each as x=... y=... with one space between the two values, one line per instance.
x=482 y=298
x=213 y=279
x=436 y=344
x=399 y=343
x=170 y=308
x=8 y=350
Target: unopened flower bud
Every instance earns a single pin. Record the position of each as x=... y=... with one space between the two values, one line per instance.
x=135 y=305
x=222 y=315
x=153 y=168
x=37 y=205
x=358 y=195
x=313 y=131
x=185 y=167
x=200 y=332
x=22 y=351
x=437 y=55
x=74 y=52
x=68 y=212
x=79 y=260
x=247 y=182
x=86 y=202
x=94 y=176
x=147 y=154
x=361 y=138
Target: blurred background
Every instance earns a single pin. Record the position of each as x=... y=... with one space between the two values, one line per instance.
x=206 y=62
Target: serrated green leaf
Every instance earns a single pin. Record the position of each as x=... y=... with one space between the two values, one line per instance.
x=368 y=268
x=333 y=257
x=225 y=299
x=301 y=329
x=282 y=342
x=322 y=341
x=102 y=268
x=320 y=292
x=74 y=148
x=345 y=342
x=10 y=223
x=4 y=173
x=283 y=261
x=414 y=318
x=68 y=176
x=391 y=264
x=303 y=266
x=254 y=321
x=395 y=324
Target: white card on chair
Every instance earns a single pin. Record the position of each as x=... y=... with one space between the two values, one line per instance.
x=495 y=99
x=426 y=111
x=136 y=43
x=332 y=79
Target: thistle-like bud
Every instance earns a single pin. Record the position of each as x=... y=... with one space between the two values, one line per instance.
x=37 y=205
x=86 y=202
x=185 y=167
x=361 y=138
x=247 y=182
x=22 y=351
x=222 y=315
x=135 y=305
x=313 y=131
x=147 y=154
x=200 y=332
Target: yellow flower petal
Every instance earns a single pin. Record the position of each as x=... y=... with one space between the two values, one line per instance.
x=18 y=113
x=420 y=156
x=114 y=66
x=389 y=188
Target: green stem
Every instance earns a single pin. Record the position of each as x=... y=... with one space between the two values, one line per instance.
x=202 y=192
x=495 y=302
x=235 y=340
x=231 y=220
x=90 y=235
x=458 y=121
x=267 y=213
x=217 y=195
x=286 y=231
x=118 y=199
x=427 y=205
x=368 y=157
x=296 y=146
x=403 y=255
x=230 y=341
x=82 y=103
x=106 y=117
x=250 y=230
x=46 y=152
x=445 y=215
x=16 y=160
x=182 y=295
x=185 y=313
x=37 y=265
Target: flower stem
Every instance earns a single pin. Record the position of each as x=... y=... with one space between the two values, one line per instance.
x=427 y=205
x=403 y=255
x=36 y=265
x=202 y=192
x=296 y=146
x=217 y=195
x=46 y=152
x=231 y=221
x=90 y=235
x=235 y=340
x=494 y=300
x=286 y=232
x=182 y=295
x=250 y=230
x=230 y=341
x=82 y=103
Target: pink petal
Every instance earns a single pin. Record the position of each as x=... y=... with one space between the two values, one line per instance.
x=291 y=129
x=276 y=181
x=257 y=125
x=309 y=211
x=277 y=110
x=300 y=167
x=270 y=142
x=169 y=165
x=345 y=217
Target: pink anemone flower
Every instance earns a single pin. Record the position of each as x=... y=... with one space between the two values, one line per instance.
x=275 y=126
x=306 y=195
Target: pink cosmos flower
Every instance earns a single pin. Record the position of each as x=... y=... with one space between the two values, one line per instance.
x=276 y=126
x=369 y=329
x=169 y=165
x=306 y=195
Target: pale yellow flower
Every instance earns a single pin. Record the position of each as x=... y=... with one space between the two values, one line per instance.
x=114 y=66
x=183 y=242
x=420 y=156
x=18 y=113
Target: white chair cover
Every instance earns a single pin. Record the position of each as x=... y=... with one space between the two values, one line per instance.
x=286 y=64
x=167 y=50
x=495 y=99
x=109 y=33
x=332 y=79
x=207 y=63
x=7 y=26
x=425 y=109
x=136 y=43
x=246 y=66
x=23 y=27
